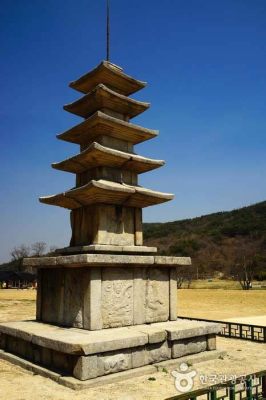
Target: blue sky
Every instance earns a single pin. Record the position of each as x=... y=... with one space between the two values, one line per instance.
x=205 y=62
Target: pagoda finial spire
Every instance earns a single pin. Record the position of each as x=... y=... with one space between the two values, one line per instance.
x=108 y=31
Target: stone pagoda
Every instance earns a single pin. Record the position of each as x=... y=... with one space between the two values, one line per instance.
x=106 y=303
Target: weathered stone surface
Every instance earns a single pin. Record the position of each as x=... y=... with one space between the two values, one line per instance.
x=103 y=297
x=211 y=342
x=72 y=301
x=188 y=328
x=117 y=297
x=86 y=260
x=184 y=347
x=76 y=384
x=97 y=155
x=103 y=191
x=12 y=345
x=76 y=341
x=103 y=248
x=52 y=309
x=86 y=368
x=73 y=340
x=37 y=356
x=40 y=262
x=103 y=260
x=102 y=124
x=157 y=295
x=138 y=356
x=116 y=226
x=21 y=329
x=92 y=315
x=111 y=75
x=157 y=352
x=155 y=334
x=114 y=143
x=139 y=300
x=114 y=362
x=89 y=354
x=103 y=97
x=173 y=294
x=46 y=356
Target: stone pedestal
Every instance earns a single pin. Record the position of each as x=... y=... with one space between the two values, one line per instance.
x=97 y=291
x=86 y=355
x=98 y=314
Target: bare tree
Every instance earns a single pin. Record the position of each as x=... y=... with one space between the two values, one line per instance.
x=17 y=253
x=184 y=274
x=180 y=280
x=244 y=272
x=38 y=248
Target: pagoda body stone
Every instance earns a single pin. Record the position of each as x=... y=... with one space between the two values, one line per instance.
x=106 y=303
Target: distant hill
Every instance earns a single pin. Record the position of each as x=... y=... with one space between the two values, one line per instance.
x=215 y=241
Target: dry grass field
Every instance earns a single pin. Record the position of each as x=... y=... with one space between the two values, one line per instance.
x=221 y=304
x=243 y=356
x=222 y=284
x=17 y=304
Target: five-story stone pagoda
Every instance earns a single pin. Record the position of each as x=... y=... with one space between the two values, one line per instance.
x=106 y=303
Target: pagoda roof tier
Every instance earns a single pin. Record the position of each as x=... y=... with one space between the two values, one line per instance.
x=102 y=124
x=106 y=192
x=97 y=155
x=104 y=98
x=111 y=76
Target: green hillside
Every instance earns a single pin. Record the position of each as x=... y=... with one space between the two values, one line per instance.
x=216 y=242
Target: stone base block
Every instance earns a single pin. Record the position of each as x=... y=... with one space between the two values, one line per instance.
x=106 y=290
x=103 y=248
x=90 y=354
x=106 y=297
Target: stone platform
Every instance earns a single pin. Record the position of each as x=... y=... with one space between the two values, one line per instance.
x=86 y=355
x=103 y=314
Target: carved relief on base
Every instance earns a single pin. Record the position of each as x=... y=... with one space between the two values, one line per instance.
x=108 y=364
x=117 y=297
x=157 y=295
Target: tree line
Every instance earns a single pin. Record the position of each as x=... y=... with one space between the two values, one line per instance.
x=37 y=249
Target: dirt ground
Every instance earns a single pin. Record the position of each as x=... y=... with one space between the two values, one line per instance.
x=242 y=356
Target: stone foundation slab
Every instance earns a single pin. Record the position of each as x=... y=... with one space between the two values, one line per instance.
x=76 y=384
x=87 y=355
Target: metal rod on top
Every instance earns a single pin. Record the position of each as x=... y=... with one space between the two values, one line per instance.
x=108 y=31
